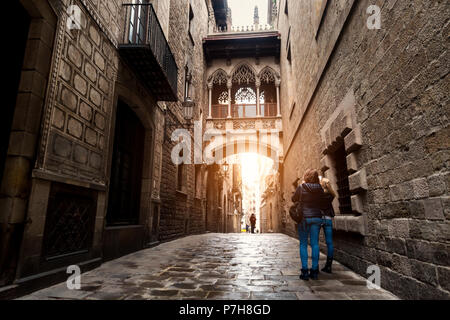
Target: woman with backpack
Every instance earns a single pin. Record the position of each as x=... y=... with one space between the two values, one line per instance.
x=312 y=200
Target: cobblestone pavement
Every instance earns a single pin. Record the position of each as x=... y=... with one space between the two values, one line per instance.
x=216 y=267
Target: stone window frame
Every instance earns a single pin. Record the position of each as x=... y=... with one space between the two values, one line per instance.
x=320 y=17
x=341 y=126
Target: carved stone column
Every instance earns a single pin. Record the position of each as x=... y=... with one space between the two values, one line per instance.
x=210 y=86
x=229 y=85
x=277 y=85
x=258 y=104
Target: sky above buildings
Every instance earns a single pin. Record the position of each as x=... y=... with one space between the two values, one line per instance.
x=243 y=10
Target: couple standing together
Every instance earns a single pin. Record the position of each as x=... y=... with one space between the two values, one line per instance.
x=315 y=197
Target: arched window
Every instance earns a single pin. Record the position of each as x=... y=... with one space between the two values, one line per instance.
x=267 y=76
x=220 y=78
x=244 y=75
x=245 y=95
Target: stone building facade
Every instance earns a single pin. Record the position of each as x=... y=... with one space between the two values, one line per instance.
x=86 y=147
x=86 y=169
x=183 y=205
x=370 y=108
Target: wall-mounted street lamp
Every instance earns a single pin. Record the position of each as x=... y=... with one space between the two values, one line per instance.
x=188 y=109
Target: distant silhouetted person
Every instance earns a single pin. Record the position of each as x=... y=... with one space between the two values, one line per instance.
x=253 y=222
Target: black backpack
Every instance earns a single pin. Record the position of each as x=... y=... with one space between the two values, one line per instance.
x=296 y=210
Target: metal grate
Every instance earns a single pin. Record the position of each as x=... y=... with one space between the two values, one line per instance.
x=70 y=221
x=340 y=161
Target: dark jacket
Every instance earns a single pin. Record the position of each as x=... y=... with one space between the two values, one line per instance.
x=315 y=202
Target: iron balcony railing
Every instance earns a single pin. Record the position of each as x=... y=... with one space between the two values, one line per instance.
x=143 y=29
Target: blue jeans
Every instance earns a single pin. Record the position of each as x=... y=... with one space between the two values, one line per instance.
x=309 y=228
x=328 y=230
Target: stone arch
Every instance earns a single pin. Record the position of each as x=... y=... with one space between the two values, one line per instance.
x=143 y=107
x=218 y=76
x=243 y=71
x=268 y=70
x=242 y=145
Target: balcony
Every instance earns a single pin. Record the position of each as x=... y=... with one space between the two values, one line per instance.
x=146 y=51
x=244 y=111
x=241 y=42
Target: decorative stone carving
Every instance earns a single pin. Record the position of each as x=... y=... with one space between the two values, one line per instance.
x=244 y=74
x=267 y=76
x=243 y=125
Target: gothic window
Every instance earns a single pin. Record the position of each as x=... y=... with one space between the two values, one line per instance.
x=223 y=98
x=267 y=76
x=245 y=96
x=220 y=78
x=244 y=75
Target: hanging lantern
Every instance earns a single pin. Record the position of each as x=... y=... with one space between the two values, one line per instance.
x=225 y=167
x=188 y=109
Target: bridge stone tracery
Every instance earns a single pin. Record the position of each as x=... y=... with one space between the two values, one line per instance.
x=244 y=104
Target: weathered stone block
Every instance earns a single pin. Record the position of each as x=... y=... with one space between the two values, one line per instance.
x=75 y=56
x=22 y=143
x=437 y=185
x=446 y=206
x=358 y=181
x=69 y=99
x=80 y=154
x=95 y=97
x=352 y=163
x=444 y=277
x=74 y=127
x=32 y=81
x=90 y=72
x=420 y=188
x=357 y=225
x=86 y=111
x=28 y=109
x=357 y=204
x=91 y=137
x=103 y=84
x=325 y=163
x=59 y=118
x=94 y=35
x=353 y=141
x=99 y=121
x=62 y=147
x=424 y=272
x=85 y=45
x=346 y=124
x=95 y=160
x=99 y=61
x=433 y=209
x=65 y=71
x=80 y=84
x=340 y=223
x=399 y=228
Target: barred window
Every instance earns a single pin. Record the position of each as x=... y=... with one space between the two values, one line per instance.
x=340 y=165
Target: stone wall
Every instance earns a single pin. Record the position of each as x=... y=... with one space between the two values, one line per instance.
x=397 y=78
x=181 y=212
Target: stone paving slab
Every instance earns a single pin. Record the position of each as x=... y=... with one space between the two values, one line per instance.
x=215 y=267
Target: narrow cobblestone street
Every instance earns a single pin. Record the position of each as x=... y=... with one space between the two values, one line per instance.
x=215 y=267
